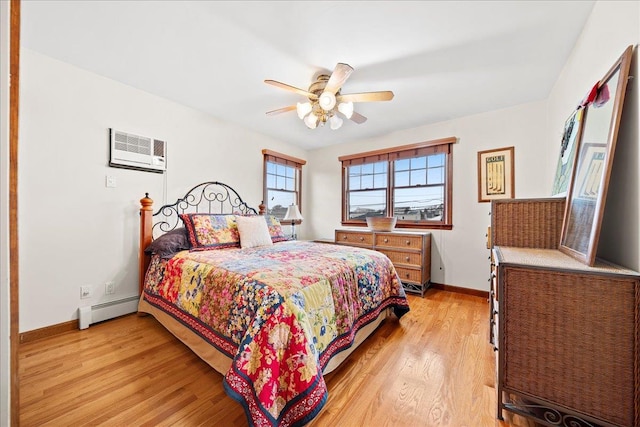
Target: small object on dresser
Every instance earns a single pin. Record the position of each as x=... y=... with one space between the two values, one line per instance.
x=381 y=223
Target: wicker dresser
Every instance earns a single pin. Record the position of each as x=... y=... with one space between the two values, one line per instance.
x=410 y=252
x=566 y=334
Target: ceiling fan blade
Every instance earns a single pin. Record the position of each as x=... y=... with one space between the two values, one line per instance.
x=281 y=110
x=386 y=95
x=340 y=75
x=358 y=118
x=302 y=92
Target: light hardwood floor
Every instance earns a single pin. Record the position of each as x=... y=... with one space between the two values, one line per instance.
x=434 y=367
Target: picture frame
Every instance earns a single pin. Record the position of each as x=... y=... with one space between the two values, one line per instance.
x=568 y=150
x=587 y=182
x=496 y=173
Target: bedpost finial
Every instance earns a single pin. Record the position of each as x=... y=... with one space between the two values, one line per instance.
x=146 y=203
x=261 y=208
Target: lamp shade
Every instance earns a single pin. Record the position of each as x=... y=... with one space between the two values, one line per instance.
x=346 y=108
x=335 y=122
x=293 y=214
x=303 y=108
x=311 y=121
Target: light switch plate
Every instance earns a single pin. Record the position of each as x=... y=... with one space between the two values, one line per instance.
x=110 y=181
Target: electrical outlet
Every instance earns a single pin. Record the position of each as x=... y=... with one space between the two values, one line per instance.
x=109 y=288
x=85 y=292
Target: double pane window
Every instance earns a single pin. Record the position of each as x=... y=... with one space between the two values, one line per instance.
x=411 y=183
x=368 y=189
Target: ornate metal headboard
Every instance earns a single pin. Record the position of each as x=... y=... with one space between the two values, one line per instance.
x=208 y=197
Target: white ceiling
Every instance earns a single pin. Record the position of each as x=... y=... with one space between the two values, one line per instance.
x=441 y=59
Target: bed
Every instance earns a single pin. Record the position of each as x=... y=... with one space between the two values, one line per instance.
x=273 y=315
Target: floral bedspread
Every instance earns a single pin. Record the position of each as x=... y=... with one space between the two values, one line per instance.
x=280 y=312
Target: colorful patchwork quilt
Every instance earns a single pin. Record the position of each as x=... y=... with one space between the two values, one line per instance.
x=279 y=312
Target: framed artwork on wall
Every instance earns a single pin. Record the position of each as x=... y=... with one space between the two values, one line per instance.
x=496 y=174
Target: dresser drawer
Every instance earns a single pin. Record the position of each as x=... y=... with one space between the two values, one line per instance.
x=409 y=275
x=409 y=258
x=403 y=241
x=354 y=238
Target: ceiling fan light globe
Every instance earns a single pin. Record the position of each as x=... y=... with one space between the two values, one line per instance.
x=303 y=108
x=327 y=101
x=346 y=108
x=311 y=121
x=335 y=122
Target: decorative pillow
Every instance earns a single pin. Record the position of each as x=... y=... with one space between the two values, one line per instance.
x=253 y=231
x=275 y=229
x=169 y=243
x=208 y=231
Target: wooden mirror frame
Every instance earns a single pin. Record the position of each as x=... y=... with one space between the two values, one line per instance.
x=585 y=209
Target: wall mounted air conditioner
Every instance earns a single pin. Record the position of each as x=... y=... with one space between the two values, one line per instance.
x=137 y=152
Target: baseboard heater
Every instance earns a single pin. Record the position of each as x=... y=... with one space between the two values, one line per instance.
x=107 y=310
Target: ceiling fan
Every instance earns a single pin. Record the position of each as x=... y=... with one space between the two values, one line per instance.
x=325 y=99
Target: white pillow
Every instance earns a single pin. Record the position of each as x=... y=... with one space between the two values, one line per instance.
x=253 y=231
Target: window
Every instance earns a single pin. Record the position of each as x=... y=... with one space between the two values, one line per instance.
x=282 y=182
x=412 y=183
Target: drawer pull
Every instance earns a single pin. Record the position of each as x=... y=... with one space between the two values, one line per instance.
x=386 y=240
x=407 y=258
x=406 y=274
x=408 y=242
x=362 y=239
x=344 y=237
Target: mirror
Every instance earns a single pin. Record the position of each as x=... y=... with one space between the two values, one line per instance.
x=588 y=188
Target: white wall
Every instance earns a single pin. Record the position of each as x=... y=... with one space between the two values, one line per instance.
x=5 y=326
x=459 y=256
x=611 y=27
x=73 y=230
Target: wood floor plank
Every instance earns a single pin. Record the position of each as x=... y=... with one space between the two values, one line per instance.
x=434 y=367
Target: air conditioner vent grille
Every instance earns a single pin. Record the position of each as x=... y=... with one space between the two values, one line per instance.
x=120 y=137
x=134 y=144
x=158 y=148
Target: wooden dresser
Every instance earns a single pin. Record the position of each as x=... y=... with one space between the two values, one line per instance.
x=410 y=252
x=566 y=334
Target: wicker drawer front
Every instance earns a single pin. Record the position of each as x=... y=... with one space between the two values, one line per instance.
x=569 y=338
x=403 y=241
x=495 y=337
x=493 y=320
x=408 y=258
x=354 y=238
x=409 y=275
